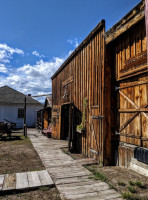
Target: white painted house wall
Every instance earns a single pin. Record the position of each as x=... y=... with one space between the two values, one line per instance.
x=10 y=112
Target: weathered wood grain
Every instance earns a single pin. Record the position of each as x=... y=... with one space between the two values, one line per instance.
x=72 y=174
x=45 y=178
x=104 y=194
x=79 y=182
x=9 y=182
x=71 y=178
x=33 y=179
x=95 y=187
x=21 y=181
x=1 y=181
x=88 y=82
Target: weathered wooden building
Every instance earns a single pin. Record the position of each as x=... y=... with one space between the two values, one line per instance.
x=126 y=46
x=44 y=115
x=109 y=70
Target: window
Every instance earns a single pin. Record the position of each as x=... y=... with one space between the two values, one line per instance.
x=20 y=112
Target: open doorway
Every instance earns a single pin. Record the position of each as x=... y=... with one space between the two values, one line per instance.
x=65 y=115
x=70 y=118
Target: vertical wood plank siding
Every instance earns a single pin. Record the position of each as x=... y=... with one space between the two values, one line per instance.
x=132 y=78
x=80 y=77
x=128 y=52
x=110 y=70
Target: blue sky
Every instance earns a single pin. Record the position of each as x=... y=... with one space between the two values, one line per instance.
x=36 y=36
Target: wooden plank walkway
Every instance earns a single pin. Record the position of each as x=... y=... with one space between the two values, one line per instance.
x=71 y=178
x=25 y=180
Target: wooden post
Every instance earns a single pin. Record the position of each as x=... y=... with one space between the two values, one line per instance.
x=70 y=124
x=25 y=126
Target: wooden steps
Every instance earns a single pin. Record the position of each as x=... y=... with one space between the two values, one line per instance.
x=25 y=180
x=71 y=178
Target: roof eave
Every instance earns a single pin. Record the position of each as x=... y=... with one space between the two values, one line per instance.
x=85 y=41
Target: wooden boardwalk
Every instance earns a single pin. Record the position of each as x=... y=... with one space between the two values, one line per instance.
x=25 y=180
x=71 y=178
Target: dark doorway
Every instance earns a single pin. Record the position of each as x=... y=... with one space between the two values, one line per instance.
x=65 y=114
x=70 y=118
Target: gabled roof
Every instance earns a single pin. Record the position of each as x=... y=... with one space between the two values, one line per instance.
x=9 y=95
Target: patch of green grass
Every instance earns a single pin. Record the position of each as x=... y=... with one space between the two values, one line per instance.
x=45 y=188
x=111 y=186
x=132 y=183
x=139 y=184
x=126 y=196
x=136 y=183
x=129 y=196
x=26 y=139
x=131 y=189
x=33 y=170
x=121 y=183
x=98 y=175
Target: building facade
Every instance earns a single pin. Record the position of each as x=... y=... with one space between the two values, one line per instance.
x=12 y=107
x=108 y=70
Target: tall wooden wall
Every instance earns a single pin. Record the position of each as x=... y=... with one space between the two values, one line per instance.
x=111 y=73
x=131 y=75
x=80 y=77
x=129 y=63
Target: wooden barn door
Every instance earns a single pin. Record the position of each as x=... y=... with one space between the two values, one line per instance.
x=96 y=134
x=133 y=113
x=97 y=96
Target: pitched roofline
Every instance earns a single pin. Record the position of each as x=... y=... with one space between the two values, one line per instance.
x=85 y=41
x=138 y=9
x=27 y=97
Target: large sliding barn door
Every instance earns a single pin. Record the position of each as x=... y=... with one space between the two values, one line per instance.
x=96 y=100
x=133 y=113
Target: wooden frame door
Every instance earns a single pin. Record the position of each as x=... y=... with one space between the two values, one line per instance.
x=96 y=98
x=133 y=113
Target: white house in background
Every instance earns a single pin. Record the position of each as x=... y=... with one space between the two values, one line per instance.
x=12 y=107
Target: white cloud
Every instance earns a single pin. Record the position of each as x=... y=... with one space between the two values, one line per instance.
x=35 y=53
x=70 y=41
x=10 y=49
x=3 y=69
x=73 y=42
x=30 y=79
x=33 y=79
x=6 y=54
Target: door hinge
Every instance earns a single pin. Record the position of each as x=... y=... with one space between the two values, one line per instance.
x=97 y=117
